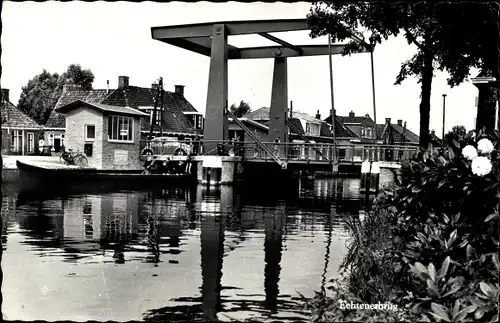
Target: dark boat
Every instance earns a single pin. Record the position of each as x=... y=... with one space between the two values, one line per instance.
x=55 y=175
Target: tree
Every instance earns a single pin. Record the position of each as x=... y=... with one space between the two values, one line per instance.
x=39 y=97
x=457 y=133
x=430 y=26
x=240 y=110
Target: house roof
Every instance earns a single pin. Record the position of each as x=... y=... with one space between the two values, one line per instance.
x=386 y=131
x=57 y=120
x=101 y=107
x=13 y=117
x=341 y=131
x=351 y=120
x=174 y=106
x=261 y=114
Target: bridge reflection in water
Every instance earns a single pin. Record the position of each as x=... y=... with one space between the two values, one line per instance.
x=137 y=255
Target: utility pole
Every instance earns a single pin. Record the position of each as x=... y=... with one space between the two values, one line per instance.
x=444 y=113
x=335 y=162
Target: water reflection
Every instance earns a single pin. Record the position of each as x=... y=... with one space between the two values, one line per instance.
x=200 y=253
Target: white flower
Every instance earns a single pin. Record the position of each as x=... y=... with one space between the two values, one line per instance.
x=485 y=146
x=469 y=152
x=481 y=166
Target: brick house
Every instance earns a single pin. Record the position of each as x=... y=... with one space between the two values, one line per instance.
x=396 y=134
x=362 y=126
x=108 y=135
x=179 y=118
x=20 y=133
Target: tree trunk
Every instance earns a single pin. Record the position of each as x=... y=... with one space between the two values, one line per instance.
x=425 y=102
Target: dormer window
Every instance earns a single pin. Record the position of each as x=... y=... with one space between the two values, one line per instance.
x=362 y=132
x=312 y=129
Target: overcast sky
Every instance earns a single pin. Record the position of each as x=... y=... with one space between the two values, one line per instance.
x=114 y=39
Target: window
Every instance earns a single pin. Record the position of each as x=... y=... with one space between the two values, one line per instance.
x=121 y=128
x=199 y=122
x=51 y=139
x=89 y=132
x=31 y=142
x=362 y=132
x=312 y=129
x=16 y=140
x=369 y=132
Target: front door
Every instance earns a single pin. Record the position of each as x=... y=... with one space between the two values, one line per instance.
x=57 y=145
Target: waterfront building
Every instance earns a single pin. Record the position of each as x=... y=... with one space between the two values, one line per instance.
x=396 y=134
x=109 y=136
x=20 y=133
x=179 y=118
x=363 y=129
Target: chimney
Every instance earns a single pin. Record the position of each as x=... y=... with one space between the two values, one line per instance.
x=388 y=120
x=5 y=95
x=433 y=132
x=154 y=86
x=318 y=116
x=351 y=114
x=122 y=82
x=400 y=122
x=179 y=89
x=107 y=83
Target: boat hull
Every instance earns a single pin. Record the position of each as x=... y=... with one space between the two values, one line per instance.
x=49 y=177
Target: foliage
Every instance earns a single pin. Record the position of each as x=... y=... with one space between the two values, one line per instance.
x=39 y=97
x=457 y=133
x=431 y=243
x=240 y=110
x=430 y=26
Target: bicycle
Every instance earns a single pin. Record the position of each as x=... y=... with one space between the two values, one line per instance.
x=73 y=158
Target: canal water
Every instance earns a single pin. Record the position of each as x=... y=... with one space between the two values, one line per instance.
x=173 y=255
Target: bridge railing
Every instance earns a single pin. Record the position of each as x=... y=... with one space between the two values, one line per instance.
x=283 y=151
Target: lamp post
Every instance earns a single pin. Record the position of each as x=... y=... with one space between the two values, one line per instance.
x=444 y=112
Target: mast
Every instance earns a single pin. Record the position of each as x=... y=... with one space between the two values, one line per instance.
x=156 y=99
x=374 y=104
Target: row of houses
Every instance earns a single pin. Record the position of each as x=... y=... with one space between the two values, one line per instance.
x=179 y=119
x=21 y=135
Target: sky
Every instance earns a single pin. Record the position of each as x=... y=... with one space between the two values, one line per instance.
x=114 y=39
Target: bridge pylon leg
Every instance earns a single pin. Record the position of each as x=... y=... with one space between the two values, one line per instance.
x=216 y=125
x=279 y=104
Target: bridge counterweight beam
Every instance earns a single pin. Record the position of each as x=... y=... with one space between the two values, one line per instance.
x=216 y=125
x=279 y=104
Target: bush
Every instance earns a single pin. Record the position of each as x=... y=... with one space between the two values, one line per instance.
x=431 y=243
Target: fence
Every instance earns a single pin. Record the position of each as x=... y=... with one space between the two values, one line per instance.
x=283 y=151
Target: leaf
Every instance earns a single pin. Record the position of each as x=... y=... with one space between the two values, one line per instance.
x=432 y=272
x=479 y=313
x=486 y=289
x=453 y=290
x=491 y=217
x=452 y=238
x=456 y=307
x=432 y=289
x=439 y=311
x=444 y=267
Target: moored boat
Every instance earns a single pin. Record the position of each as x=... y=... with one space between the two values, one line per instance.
x=47 y=174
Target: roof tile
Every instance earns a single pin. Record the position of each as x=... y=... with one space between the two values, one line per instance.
x=14 y=117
